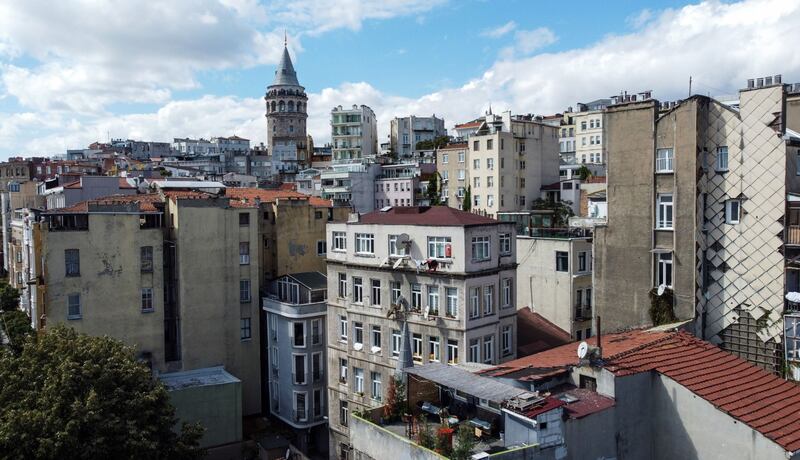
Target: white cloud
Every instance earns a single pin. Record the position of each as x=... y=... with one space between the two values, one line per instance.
x=499 y=31
x=526 y=42
x=719 y=44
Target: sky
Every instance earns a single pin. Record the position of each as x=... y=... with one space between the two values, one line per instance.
x=79 y=71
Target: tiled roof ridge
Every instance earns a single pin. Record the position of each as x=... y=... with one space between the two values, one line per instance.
x=656 y=341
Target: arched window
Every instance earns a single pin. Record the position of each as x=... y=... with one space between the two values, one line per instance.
x=291 y=106
x=273 y=106
x=281 y=106
x=299 y=106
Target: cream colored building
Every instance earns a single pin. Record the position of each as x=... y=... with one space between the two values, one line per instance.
x=510 y=159
x=589 y=140
x=452 y=164
x=456 y=271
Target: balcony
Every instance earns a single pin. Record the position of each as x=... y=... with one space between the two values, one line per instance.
x=583 y=312
x=793 y=235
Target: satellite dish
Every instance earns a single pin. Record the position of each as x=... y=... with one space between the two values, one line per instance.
x=583 y=350
x=403 y=238
x=661 y=289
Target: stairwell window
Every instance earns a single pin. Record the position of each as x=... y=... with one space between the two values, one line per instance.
x=74 y=306
x=244 y=291
x=722 y=159
x=244 y=253
x=733 y=211
x=147 y=300
x=396 y=341
x=664 y=275
x=664 y=211
x=664 y=161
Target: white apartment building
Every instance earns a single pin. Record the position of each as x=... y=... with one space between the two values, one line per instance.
x=453 y=269
x=510 y=159
x=589 y=141
x=354 y=133
x=351 y=184
x=405 y=132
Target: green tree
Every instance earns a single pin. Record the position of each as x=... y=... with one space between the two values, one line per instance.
x=466 y=202
x=9 y=297
x=434 y=195
x=584 y=172
x=433 y=144
x=72 y=396
x=16 y=326
x=463 y=443
x=562 y=210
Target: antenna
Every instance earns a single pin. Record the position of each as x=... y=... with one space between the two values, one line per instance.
x=285 y=40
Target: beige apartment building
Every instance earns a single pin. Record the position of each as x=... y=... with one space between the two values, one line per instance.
x=510 y=159
x=589 y=142
x=696 y=196
x=554 y=278
x=452 y=164
x=453 y=269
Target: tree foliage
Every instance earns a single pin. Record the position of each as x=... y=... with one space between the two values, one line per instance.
x=72 y=396
x=9 y=297
x=466 y=202
x=584 y=172
x=439 y=142
x=16 y=326
x=562 y=210
x=395 y=399
x=433 y=193
x=463 y=444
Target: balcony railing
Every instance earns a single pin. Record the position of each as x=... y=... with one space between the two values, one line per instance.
x=583 y=312
x=793 y=235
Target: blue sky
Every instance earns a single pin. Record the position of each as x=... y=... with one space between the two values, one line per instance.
x=199 y=68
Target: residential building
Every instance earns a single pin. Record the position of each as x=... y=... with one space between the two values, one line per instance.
x=406 y=132
x=696 y=210
x=511 y=158
x=351 y=184
x=399 y=184
x=554 y=278
x=354 y=133
x=589 y=141
x=287 y=104
x=295 y=308
x=464 y=130
x=452 y=164
x=654 y=394
x=453 y=275
x=87 y=188
x=566 y=138
x=23 y=264
x=188 y=147
x=141 y=150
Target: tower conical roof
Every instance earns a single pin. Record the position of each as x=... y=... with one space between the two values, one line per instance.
x=285 y=74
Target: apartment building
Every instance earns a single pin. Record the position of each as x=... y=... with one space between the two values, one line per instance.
x=23 y=265
x=452 y=164
x=87 y=188
x=351 y=184
x=406 y=132
x=454 y=270
x=696 y=208
x=400 y=184
x=295 y=308
x=566 y=138
x=511 y=158
x=589 y=141
x=354 y=133
x=554 y=278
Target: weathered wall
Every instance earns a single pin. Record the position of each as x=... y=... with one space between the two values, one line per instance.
x=592 y=436
x=375 y=441
x=218 y=408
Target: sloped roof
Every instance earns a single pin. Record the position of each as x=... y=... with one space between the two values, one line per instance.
x=426 y=215
x=536 y=334
x=145 y=201
x=285 y=74
x=459 y=379
x=246 y=197
x=311 y=280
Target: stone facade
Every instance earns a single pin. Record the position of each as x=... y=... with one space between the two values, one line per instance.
x=287 y=104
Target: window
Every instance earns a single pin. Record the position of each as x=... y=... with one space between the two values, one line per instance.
x=299 y=368
x=733 y=211
x=244 y=291
x=396 y=342
x=365 y=243
x=452 y=302
x=583 y=126
x=416 y=347
x=396 y=250
x=437 y=246
x=72 y=262
x=339 y=241
x=358 y=333
x=342 y=329
x=273 y=327
x=317 y=403
x=490 y=163
x=490 y=200
x=244 y=219
x=722 y=159
x=476 y=182
x=562 y=261
x=490 y=181
x=505 y=340
x=358 y=294
x=245 y=329
x=316 y=331
x=582 y=261
x=244 y=253
x=322 y=247
x=434 y=349
x=488 y=300
x=416 y=296
x=507 y=294
x=146 y=259
x=474 y=351
x=299 y=334
x=300 y=406
x=342 y=285
x=452 y=351
x=358 y=373
x=74 y=306
x=476 y=200
x=462 y=174
x=376 y=338
x=376 y=292
x=394 y=286
x=664 y=211
x=343 y=421
x=461 y=157
x=664 y=269
x=480 y=248
x=377 y=392
x=488 y=349
x=505 y=243
x=522 y=200
x=474 y=302
x=664 y=161
x=489 y=144
x=444 y=158
x=342 y=370
x=433 y=300
x=147 y=300
x=476 y=145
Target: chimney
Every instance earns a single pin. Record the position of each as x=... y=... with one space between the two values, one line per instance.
x=778 y=79
x=599 y=338
x=751 y=83
x=759 y=82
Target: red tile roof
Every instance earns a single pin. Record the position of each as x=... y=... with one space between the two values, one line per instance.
x=470 y=124
x=318 y=202
x=176 y=195
x=536 y=334
x=589 y=402
x=547 y=405
x=422 y=215
x=245 y=197
x=145 y=201
x=553 y=186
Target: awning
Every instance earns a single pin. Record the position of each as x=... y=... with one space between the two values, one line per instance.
x=467 y=382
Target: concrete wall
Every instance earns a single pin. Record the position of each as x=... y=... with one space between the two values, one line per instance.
x=218 y=408
x=375 y=441
x=93 y=187
x=591 y=437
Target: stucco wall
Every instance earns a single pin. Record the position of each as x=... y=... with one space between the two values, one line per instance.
x=375 y=441
x=218 y=408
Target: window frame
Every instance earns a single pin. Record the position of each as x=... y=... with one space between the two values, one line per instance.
x=146 y=294
x=339 y=241
x=245 y=329
x=665 y=211
x=719 y=164
x=70 y=304
x=365 y=244
x=729 y=205
x=481 y=248
x=562 y=261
